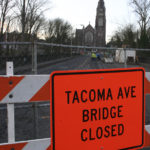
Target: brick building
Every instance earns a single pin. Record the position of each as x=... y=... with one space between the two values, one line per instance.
x=90 y=36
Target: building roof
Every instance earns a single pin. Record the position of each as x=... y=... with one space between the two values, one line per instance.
x=89 y=27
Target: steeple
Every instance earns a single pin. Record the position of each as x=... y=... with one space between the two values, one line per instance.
x=101 y=4
x=100 y=14
x=100 y=24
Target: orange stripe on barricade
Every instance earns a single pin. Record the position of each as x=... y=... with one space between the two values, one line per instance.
x=147 y=139
x=147 y=86
x=49 y=148
x=18 y=146
x=43 y=93
x=7 y=84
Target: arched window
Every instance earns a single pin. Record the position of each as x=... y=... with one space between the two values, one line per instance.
x=100 y=22
x=89 y=37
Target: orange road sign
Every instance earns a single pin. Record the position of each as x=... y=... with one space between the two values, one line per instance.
x=97 y=109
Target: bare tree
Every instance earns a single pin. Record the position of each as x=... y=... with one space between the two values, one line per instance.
x=59 y=31
x=142 y=10
x=49 y=31
x=30 y=14
x=5 y=17
x=124 y=36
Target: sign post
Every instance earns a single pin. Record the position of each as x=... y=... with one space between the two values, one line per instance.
x=97 y=109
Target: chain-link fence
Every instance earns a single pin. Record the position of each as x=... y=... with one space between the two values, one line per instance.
x=33 y=58
x=3 y=123
x=32 y=120
x=36 y=126
x=27 y=57
x=19 y=53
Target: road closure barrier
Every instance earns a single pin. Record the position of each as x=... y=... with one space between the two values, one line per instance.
x=34 y=88
x=24 y=89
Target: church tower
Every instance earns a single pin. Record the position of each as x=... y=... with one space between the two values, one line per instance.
x=100 y=24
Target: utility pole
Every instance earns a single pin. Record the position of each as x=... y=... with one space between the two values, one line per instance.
x=71 y=42
x=23 y=18
x=83 y=27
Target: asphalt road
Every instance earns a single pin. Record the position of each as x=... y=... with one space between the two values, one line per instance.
x=32 y=121
x=82 y=63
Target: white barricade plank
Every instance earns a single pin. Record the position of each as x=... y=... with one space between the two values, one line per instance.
x=43 y=144
x=147 y=127
x=37 y=145
x=147 y=75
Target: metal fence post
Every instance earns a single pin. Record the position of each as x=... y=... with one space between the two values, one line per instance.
x=125 y=59
x=36 y=124
x=34 y=58
x=34 y=70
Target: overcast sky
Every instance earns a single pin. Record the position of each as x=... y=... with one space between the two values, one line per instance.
x=77 y=12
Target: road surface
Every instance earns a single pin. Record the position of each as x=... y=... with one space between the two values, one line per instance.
x=82 y=63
